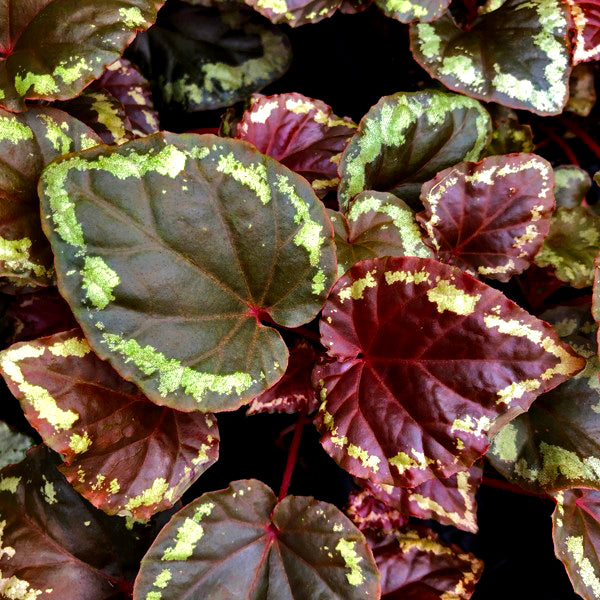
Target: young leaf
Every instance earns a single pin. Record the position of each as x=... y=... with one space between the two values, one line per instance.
x=170 y=288
x=428 y=358
x=508 y=134
x=124 y=454
x=489 y=218
x=408 y=11
x=571 y=245
x=55 y=544
x=571 y=184
x=294 y=391
x=556 y=443
x=241 y=541
x=586 y=19
x=576 y=522
x=415 y=565
x=295 y=12
x=13 y=445
x=51 y=49
x=405 y=139
x=377 y=224
x=201 y=58
x=486 y=61
x=582 y=90
x=299 y=132
x=28 y=142
x=449 y=501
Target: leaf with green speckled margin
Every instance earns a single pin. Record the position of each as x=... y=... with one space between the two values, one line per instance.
x=489 y=218
x=241 y=540
x=376 y=224
x=508 y=134
x=13 y=445
x=123 y=453
x=170 y=289
x=572 y=245
x=556 y=443
x=576 y=536
x=28 y=142
x=486 y=62
x=415 y=564
x=54 y=48
x=428 y=359
x=409 y=11
x=406 y=138
x=582 y=90
x=55 y=544
x=295 y=12
x=202 y=58
x=571 y=185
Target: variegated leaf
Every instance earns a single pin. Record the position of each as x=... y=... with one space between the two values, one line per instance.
x=408 y=11
x=508 y=134
x=571 y=184
x=295 y=12
x=586 y=20
x=427 y=359
x=371 y=515
x=13 y=445
x=582 y=90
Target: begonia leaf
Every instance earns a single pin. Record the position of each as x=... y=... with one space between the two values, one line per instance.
x=170 y=288
x=405 y=139
x=123 y=453
x=586 y=21
x=28 y=142
x=571 y=245
x=508 y=134
x=51 y=49
x=596 y=297
x=352 y=7
x=242 y=541
x=13 y=445
x=416 y=565
x=299 y=132
x=405 y=329
x=450 y=501
x=201 y=58
x=516 y=55
x=576 y=524
x=489 y=218
x=408 y=11
x=556 y=443
x=571 y=184
x=372 y=515
x=537 y=286
x=295 y=12
x=294 y=391
x=582 y=90
x=377 y=224
x=54 y=544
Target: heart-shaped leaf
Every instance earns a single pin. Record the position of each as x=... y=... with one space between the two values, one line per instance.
x=201 y=58
x=489 y=218
x=571 y=245
x=428 y=359
x=28 y=142
x=508 y=134
x=378 y=224
x=582 y=90
x=51 y=49
x=299 y=132
x=486 y=61
x=123 y=453
x=415 y=565
x=407 y=11
x=13 y=445
x=556 y=443
x=170 y=288
x=295 y=12
x=586 y=19
x=294 y=391
x=241 y=542
x=405 y=139
x=55 y=545
x=571 y=184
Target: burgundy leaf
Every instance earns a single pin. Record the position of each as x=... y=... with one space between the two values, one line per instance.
x=428 y=359
x=538 y=285
x=351 y=7
x=371 y=514
x=125 y=454
x=489 y=218
x=586 y=20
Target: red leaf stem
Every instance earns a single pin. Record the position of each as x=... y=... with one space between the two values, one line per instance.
x=292 y=455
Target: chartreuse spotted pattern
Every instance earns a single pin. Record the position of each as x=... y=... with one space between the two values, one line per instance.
x=94 y=278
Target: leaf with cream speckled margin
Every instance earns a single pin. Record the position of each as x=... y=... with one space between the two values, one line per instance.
x=123 y=453
x=241 y=538
x=586 y=26
x=55 y=48
x=301 y=133
x=295 y=12
x=489 y=218
x=170 y=289
x=486 y=61
x=201 y=58
x=408 y=11
x=404 y=329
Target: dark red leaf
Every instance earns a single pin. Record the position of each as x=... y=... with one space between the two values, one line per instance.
x=371 y=514
x=586 y=21
x=351 y=7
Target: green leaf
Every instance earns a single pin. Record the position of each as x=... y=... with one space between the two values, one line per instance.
x=13 y=445
x=508 y=134
x=571 y=184
x=170 y=288
x=405 y=139
x=407 y=11
x=582 y=90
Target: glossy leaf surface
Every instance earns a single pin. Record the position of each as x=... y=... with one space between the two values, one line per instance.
x=488 y=61
x=169 y=289
x=241 y=538
x=28 y=142
x=123 y=453
x=405 y=139
x=489 y=218
x=419 y=10
x=428 y=359
x=13 y=445
x=51 y=49
x=299 y=132
x=295 y=12
x=586 y=21
x=571 y=184
x=201 y=58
